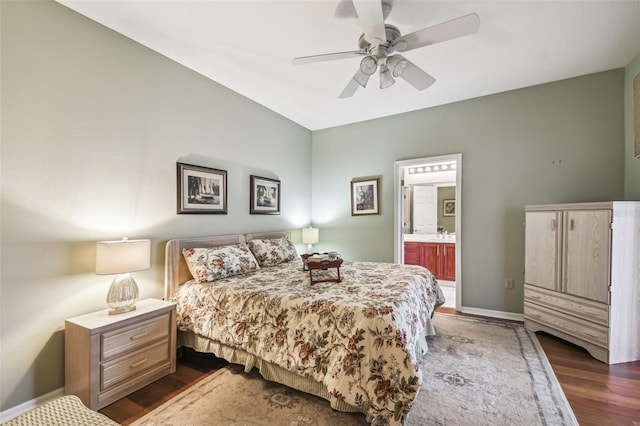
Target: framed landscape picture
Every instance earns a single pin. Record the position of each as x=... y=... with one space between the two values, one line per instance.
x=201 y=190
x=365 y=195
x=448 y=207
x=265 y=196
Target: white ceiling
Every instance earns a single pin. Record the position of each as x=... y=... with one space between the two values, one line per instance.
x=247 y=46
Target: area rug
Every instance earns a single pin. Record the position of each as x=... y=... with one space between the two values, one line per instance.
x=477 y=372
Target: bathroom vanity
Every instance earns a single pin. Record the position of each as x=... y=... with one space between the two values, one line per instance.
x=435 y=252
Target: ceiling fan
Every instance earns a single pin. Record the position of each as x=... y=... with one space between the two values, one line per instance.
x=379 y=42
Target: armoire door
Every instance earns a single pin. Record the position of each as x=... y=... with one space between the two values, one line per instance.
x=542 y=249
x=587 y=254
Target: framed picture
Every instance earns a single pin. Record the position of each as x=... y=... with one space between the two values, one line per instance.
x=448 y=207
x=365 y=196
x=265 y=196
x=201 y=190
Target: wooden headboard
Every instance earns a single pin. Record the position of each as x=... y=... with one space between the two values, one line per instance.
x=267 y=235
x=176 y=271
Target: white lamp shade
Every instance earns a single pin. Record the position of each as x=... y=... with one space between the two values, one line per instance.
x=310 y=235
x=117 y=257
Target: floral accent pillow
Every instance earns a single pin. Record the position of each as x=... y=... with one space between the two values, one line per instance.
x=273 y=252
x=214 y=263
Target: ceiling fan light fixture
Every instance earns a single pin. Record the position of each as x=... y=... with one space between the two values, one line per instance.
x=400 y=46
x=361 y=78
x=386 y=79
x=368 y=65
x=379 y=40
x=396 y=65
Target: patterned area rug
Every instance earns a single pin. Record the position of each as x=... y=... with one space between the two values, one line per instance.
x=477 y=372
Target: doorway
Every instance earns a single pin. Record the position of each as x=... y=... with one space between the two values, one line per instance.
x=440 y=171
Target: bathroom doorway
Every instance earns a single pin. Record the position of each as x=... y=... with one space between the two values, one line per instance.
x=428 y=217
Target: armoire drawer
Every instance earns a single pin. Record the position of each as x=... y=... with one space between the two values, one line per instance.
x=583 y=308
x=577 y=327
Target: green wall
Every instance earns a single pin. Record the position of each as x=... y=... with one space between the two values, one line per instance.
x=447 y=222
x=93 y=124
x=632 y=165
x=92 y=127
x=554 y=143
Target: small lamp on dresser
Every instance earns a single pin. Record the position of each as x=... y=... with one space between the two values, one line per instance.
x=121 y=257
x=310 y=236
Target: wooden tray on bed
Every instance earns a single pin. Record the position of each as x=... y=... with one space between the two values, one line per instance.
x=309 y=265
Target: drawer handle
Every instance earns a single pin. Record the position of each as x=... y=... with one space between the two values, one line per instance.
x=138 y=364
x=138 y=336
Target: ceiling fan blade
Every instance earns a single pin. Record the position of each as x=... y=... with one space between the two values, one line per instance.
x=359 y=79
x=459 y=27
x=350 y=89
x=327 y=57
x=370 y=16
x=345 y=9
x=415 y=76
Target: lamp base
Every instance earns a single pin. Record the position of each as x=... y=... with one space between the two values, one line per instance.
x=116 y=311
x=122 y=295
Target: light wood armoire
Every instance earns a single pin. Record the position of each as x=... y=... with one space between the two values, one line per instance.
x=582 y=276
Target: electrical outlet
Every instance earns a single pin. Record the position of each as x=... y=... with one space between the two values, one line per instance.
x=508 y=283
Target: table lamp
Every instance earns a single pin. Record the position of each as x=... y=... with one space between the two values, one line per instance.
x=310 y=236
x=121 y=257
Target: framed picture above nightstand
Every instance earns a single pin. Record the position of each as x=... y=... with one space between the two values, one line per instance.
x=109 y=356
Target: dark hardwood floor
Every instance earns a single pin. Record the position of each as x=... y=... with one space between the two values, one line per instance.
x=190 y=369
x=599 y=394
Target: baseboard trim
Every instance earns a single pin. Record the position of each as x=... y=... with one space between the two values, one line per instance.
x=493 y=314
x=12 y=412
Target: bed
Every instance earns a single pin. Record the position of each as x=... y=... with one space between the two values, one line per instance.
x=356 y=343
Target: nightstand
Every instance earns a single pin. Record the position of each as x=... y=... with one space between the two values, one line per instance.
x=109 y=356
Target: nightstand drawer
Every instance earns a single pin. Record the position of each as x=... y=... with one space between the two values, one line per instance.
x=134 y=337
x=123 y=369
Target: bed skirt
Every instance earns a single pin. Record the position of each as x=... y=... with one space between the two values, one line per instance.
x=268 y=370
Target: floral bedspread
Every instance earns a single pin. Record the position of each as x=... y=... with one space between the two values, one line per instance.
x=362 y=337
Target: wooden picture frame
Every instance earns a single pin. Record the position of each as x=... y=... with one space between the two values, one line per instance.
x=265 y=196
x=201 y=190
x=448 y=207
x=365 y=196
